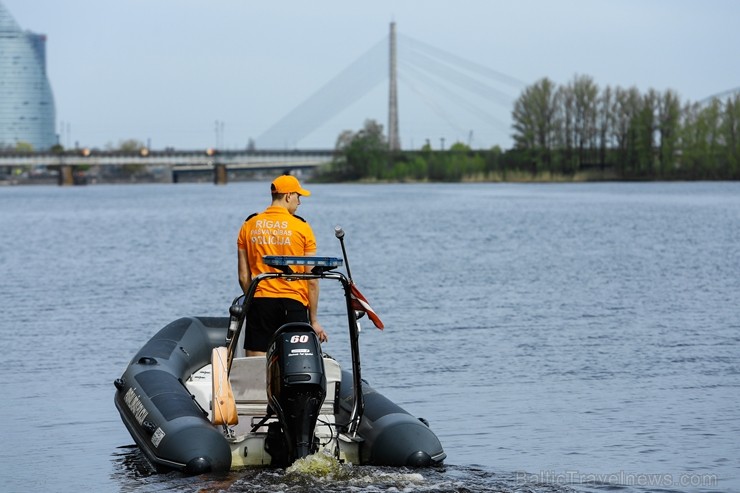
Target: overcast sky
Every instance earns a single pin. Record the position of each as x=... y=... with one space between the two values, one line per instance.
x=165 y=71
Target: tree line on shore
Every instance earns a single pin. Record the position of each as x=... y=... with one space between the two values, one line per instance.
x=575 y=131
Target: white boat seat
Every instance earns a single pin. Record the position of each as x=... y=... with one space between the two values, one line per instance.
x=247 y=378
x=248 y=383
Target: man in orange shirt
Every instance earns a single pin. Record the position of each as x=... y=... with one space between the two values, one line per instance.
x=277 y=231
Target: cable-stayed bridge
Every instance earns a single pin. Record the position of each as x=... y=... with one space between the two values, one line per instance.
x=472 y=99
x=433 y=76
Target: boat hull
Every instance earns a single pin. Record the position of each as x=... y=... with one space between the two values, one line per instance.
x=174 y=430
x=170 y=428
x=391 y=436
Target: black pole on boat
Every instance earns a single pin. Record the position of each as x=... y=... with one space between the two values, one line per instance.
x=358 y=407
x=339 y=233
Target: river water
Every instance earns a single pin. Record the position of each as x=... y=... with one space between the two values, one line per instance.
x=557 y=337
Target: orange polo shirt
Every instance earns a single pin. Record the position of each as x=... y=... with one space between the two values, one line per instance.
x=276 y=232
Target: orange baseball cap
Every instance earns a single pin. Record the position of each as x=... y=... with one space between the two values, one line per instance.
x=288 y=184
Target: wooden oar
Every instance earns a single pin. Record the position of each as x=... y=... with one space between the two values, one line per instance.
x=223 y=404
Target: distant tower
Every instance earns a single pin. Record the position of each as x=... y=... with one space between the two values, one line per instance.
x=27 y=111
x=394 y=142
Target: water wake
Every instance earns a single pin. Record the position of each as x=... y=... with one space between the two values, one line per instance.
x=323 y=468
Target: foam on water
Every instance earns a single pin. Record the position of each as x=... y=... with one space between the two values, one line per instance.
x=319 y=465
x=322 y=467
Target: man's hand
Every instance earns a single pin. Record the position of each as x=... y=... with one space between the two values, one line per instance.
x=323 y=337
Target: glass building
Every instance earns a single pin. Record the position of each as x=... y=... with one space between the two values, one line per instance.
x=27 y=111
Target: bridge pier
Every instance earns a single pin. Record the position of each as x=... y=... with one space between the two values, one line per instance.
x=220 y=177
x=66 y=175
x=169 y=175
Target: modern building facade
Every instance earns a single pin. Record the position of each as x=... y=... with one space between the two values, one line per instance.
x=27 y=113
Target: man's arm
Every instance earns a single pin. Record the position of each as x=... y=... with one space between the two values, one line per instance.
x=313 y=309
x=245 y=275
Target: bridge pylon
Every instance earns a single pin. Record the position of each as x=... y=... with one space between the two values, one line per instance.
x=394 y=140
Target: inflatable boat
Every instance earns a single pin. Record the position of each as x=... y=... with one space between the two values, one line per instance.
x=192 y=401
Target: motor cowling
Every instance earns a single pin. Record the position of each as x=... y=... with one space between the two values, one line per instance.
x=296 y=387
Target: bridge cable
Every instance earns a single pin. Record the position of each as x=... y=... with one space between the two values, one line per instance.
x=415 y=44
x=346 y=88
x=470 y=106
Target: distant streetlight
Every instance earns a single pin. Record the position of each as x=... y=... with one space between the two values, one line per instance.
x=219 y=126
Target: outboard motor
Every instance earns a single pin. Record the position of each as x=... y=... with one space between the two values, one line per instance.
x=296 y=388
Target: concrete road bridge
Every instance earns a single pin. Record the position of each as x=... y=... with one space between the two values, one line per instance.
x=175 y=162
